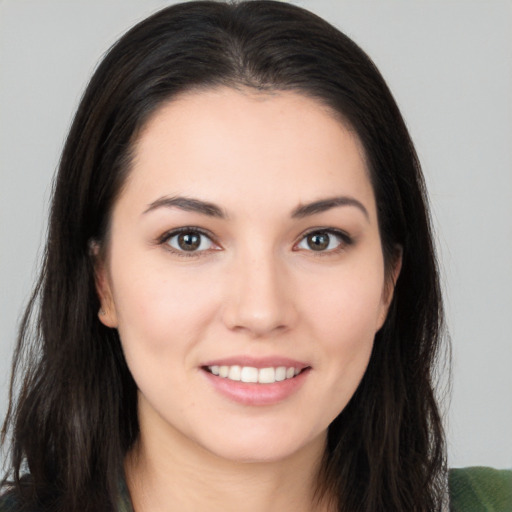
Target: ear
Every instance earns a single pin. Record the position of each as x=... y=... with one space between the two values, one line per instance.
x=390 y=284
x=107 y=313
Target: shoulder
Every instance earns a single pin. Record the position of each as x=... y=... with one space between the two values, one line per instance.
x=9 y=503
x=10 y=500
x=480 y=489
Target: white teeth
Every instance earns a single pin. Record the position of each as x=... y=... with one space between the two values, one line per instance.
x=235 y=373
x=280 y=373
x=250 y=374
x=267 y=376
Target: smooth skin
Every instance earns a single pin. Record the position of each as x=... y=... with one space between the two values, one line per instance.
x=214 y=253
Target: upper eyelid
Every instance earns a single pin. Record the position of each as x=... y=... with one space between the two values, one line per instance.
x=334 y=231
x=168 y=235
x=345 y=239
x=186 y=229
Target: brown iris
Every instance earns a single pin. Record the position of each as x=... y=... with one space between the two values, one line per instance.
x=189 y=241
x=318 y=241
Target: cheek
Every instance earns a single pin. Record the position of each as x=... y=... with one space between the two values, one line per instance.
x=350 y=305
x=161 y=324
x=160 y=310
x=344 y=316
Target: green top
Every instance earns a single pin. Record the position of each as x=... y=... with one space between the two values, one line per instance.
x=475 y=489
x=480 y=489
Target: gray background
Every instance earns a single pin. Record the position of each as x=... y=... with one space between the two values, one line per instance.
x=449 y=64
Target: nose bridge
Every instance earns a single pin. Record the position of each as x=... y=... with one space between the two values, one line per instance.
x=259 y=298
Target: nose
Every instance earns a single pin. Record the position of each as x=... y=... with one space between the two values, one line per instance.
x=259 y=297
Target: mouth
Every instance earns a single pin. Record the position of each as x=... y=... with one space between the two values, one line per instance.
x=256 y=381
x=253 y=375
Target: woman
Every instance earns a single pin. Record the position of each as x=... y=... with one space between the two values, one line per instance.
x=239 y=305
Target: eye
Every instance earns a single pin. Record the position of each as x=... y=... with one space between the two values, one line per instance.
x=326 y=240
x=189 y=241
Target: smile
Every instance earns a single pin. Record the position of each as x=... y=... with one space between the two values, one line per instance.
x=249 y=374
x=256 y=381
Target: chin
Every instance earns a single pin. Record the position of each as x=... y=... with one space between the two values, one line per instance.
x=263 y=447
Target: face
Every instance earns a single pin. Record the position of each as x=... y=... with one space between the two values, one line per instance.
x=244 y=272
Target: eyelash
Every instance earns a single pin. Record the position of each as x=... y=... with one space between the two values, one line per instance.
x=344 y=241
x=164 y=240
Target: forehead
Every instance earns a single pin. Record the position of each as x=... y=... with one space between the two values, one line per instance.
x=229 y=143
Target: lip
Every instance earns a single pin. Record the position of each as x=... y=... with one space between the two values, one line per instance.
x=258 y=362
x=255 y=394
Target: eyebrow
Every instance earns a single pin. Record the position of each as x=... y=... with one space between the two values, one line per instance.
x=189 y=205
x=326 y=204
x=212 y=210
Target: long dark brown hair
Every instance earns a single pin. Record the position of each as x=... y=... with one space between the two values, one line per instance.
x=73 y=408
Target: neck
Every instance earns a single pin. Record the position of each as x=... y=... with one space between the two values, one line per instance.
x=167 y=473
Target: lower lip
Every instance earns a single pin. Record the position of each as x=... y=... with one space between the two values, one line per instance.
x=257 y=394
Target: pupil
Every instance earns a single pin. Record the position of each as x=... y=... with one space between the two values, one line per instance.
x=318 y=241
x=189 y=241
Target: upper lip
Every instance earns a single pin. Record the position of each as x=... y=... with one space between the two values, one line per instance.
x=258 y=362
